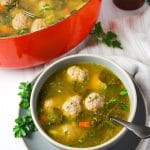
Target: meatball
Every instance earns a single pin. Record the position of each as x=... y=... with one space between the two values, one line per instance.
x=94 y=101
x=72 y=106
x=38 y=24
x=77 y=74
x=6 y=2
x=21 y=21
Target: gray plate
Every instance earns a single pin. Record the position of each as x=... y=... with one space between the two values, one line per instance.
x=128 y=142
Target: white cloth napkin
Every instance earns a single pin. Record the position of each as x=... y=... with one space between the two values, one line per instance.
x=134 y=34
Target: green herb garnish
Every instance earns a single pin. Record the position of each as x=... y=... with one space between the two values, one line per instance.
x=85 y=81
x=23 y=31
x=104 y=90
x=90 y=134
x=123 y=92
x=56 y=117
x=105 y=87
x=45 y=7
x=25 y=92
x=77 y=86
x=114 y=101
x=110 y=102
x=124 y=106
x=24 y=125
x=109 y=38
x=80 y=141
x=52 y=117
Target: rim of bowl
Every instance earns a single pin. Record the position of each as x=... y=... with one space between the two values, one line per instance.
x=107 y=143
x=51 y=25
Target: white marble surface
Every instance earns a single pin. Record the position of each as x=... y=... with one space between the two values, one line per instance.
x=10 y=79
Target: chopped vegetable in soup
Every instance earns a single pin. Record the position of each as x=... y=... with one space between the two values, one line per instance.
x=76 y=102
x=20 y=17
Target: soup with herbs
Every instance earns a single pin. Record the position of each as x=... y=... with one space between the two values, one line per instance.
x=76 y=102
x=20 y=17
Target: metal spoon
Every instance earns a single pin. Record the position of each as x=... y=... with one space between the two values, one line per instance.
x=142 y=132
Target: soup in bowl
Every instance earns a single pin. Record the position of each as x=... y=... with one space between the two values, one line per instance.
x=73 y=100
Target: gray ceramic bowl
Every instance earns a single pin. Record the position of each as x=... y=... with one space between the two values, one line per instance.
x=124 y=77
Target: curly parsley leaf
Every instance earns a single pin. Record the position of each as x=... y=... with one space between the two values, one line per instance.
x=124 y=106
x=23 y=31
x=45 y=7
x=123 y=92
x=24 y=125
x=25 y=104
x=114 y=101
x=110 y=102
x=24 y=93
x=109 y=38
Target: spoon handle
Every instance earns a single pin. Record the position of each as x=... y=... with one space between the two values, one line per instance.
x=141 y=131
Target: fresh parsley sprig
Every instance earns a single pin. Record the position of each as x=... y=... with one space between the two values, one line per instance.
x=24 y=125
x=123 y=92
x=23 y=31
x=114 y=101
x=108 y=38
x=25 y=92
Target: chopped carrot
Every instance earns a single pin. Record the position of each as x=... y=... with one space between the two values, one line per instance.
x=43 y=118
x=2 y=8
x=84 y=124
x=6 y=29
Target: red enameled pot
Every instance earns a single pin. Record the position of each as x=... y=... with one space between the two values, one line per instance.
x=39 y=47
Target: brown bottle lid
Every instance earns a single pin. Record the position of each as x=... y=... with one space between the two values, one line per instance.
x=129 y=4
